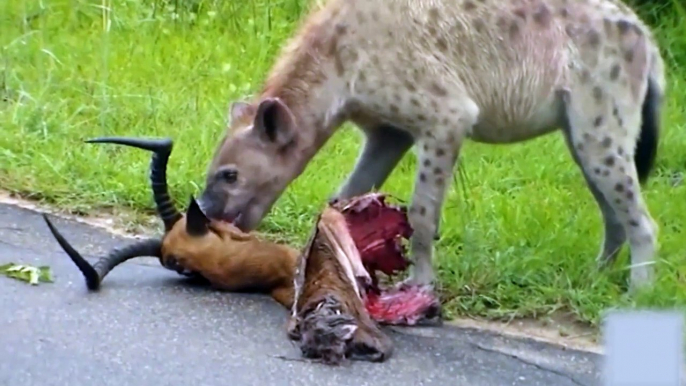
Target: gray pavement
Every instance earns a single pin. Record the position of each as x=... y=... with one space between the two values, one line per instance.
x=147 y=326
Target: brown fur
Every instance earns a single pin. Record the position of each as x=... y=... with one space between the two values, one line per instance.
x=232 y=260
x=329 y=319
x=320 y=285
x=193 y=244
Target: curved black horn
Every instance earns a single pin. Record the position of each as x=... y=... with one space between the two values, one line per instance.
x=158 y=173
x=94 y=274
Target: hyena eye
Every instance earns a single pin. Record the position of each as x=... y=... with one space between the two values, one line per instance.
x=228 y=175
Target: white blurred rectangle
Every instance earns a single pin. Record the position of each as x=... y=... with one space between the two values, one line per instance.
x=643 y=348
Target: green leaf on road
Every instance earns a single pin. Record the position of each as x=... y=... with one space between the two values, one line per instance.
x=30 y=274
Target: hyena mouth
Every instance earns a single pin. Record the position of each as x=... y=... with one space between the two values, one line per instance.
x=210 y=211
x=233 y=218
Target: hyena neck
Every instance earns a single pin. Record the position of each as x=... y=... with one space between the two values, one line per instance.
x=306 y=80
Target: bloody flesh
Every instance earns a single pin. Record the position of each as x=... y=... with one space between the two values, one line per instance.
x=379 y=230
x=402 y=305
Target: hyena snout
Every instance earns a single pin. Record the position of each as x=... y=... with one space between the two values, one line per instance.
x=213 y=203
x=242 y=210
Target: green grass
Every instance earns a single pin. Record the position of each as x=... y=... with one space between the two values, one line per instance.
x=520 y=229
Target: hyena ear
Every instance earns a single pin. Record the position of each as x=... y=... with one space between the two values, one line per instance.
x=196 y=221
x=241 y=112
x=274 y=122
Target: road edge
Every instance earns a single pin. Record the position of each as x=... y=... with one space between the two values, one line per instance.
x=529 y=330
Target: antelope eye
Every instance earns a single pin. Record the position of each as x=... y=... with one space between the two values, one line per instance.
x=228 y=175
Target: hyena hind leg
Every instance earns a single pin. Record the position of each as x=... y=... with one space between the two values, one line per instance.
x=614 y=235
x=603 y=129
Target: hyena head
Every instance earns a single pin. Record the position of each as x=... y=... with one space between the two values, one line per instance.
x=253 y=163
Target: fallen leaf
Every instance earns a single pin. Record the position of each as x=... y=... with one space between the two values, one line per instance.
x=30 y=274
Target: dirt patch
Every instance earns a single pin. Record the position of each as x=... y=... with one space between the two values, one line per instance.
x=119 y=222
x=558 y=329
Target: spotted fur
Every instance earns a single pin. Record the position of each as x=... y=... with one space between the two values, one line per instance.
x=434 y=73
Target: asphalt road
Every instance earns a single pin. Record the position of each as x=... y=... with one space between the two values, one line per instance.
x=147 y=327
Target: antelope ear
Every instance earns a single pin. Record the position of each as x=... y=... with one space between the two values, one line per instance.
x=241 y=112
x=274 y=122
x=196 y=221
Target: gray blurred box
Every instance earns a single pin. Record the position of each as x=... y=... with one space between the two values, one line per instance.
x=643 y=348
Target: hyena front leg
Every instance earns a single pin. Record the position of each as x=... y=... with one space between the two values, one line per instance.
x=438 y=151
x=385 y=146
x=603 y=125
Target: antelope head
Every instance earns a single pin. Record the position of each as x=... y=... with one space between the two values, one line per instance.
x=205 y=234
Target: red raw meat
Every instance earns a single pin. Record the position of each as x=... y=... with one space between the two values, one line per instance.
x=378 y=230
x=402 y=305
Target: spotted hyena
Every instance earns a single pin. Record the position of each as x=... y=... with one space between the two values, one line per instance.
x=434 y=73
